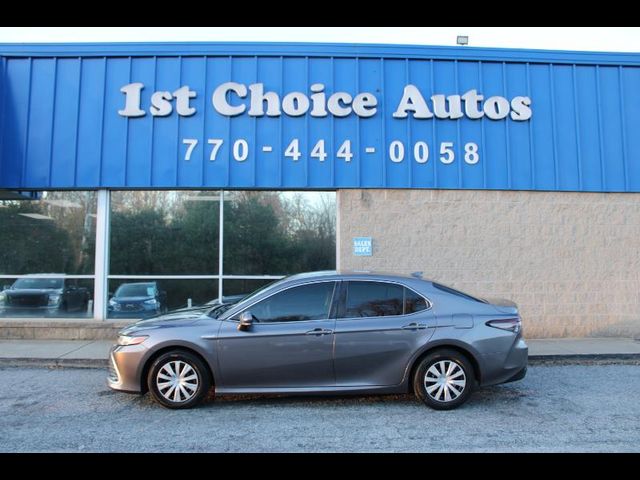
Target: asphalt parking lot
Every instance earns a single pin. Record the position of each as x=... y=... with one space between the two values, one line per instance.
x=556 y=408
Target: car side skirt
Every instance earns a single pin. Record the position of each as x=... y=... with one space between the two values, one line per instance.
x=337 y=390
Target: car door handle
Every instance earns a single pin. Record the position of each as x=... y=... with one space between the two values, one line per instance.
x=414 y=326
x=319 y=331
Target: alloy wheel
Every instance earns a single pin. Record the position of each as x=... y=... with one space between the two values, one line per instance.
x=445 y=381
x=177 y=381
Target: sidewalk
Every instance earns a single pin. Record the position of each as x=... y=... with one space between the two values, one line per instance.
x=93 y=354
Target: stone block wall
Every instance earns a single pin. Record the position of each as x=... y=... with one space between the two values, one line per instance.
x=570 y=260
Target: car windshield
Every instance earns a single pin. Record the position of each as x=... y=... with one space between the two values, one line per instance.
x=135 y=290
x=38 y=283
x=217 y=311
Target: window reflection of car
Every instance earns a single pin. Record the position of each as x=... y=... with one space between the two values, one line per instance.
x=227 y=300
x=213 y=305
x=43 y=294
x=137 y=300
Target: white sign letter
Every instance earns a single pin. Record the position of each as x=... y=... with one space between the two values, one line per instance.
x=295 y=104
x=318 y=100
x=161 y=104
x=132 y=100
x=334 y=104
x=471 y=100
x=364 y=105
x=496 y=108
x=412 y=100
x=258 y=97
x=520 y=107
x=440 y=106
x=183 y=94
x=219 y=99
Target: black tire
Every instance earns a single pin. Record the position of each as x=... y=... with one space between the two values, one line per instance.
x=436 y=397
x=203 y=377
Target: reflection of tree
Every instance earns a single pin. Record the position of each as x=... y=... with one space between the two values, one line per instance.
x=255 y=242
x=30 y=245
x=144 y=200
x=313 y=229
x=265 y=233
x=268 y=233
x=60 y=240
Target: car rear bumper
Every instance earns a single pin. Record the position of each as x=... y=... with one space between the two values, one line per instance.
x=518 y=376
x=506 y=367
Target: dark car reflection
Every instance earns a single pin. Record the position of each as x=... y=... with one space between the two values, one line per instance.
x=43 y=295
x=137 y=300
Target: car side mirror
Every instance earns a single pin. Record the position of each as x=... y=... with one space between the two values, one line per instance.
x=246 y=320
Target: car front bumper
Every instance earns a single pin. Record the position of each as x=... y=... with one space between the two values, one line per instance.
x=125 y=368
x=47 y=311
x=136 y=314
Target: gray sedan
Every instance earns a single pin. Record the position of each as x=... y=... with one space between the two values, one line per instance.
x=327 y=333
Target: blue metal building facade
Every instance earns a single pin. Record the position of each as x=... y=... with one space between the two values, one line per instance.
x=60 y=127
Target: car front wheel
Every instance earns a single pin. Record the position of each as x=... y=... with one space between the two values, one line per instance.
x=444 y=379
x=178 y=379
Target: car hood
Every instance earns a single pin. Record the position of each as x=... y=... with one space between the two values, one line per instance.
x=131 y=299
x=503 y=305
x=173 y=319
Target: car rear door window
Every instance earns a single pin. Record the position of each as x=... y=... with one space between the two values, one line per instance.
x=373 y=299
x=306 y=302
x=413 y=302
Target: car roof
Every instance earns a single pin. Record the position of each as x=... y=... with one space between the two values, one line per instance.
x=355 y=274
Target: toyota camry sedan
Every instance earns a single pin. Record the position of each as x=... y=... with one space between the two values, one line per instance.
x=327 y=333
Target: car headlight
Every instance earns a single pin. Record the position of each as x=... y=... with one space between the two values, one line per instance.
x=153 y=301
x=112 y=302
x=129 y=340
x=54 y=299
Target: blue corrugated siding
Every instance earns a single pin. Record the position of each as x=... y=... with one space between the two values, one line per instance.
x=60 y=128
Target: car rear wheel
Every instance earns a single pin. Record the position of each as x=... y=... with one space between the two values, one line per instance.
x=179 y=379
x=444 y=379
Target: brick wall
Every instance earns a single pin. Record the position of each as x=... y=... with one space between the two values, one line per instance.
x=570 y=260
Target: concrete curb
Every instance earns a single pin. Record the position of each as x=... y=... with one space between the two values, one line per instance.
x=570 y=359
x=589 y=359
x=55 y=362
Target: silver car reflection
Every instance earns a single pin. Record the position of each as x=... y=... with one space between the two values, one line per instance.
x=327 y=333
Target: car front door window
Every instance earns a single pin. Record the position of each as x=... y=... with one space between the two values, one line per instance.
x=306 y=302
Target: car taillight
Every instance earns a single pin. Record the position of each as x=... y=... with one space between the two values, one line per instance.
x=512 y=324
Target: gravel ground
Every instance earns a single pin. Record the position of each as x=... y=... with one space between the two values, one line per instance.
x=560 y=408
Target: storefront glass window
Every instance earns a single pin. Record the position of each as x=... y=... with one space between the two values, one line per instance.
x=279 y=233
x=164 y=233
x=164 y=248
x=50 y=243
